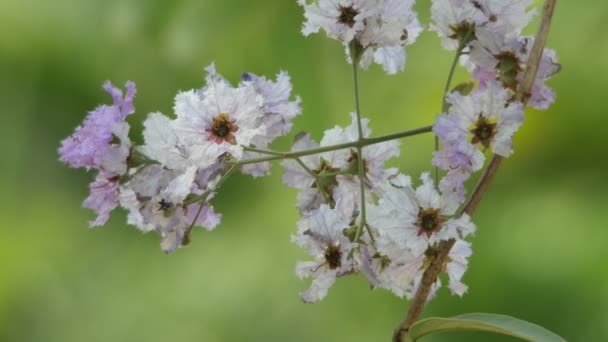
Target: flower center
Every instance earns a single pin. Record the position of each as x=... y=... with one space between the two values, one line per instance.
x=353 y=163
x=464 y=32
x=333 y=256
x=326 y=179
x=164 y=205
x=429 y=221
x=483 y=132
x=508 y=68
x=222 y=129
x=165 y=208
x=347 y=15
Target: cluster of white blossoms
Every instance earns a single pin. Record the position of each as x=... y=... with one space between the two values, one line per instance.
x=332 y=177
x=488 y=34
x=487 y=37
x=357 y=215
x=373 y=30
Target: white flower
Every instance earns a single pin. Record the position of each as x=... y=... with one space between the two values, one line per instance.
x=418 y=219
x=321 y=234
x=279 y=112
x=484 y=119
x=391 y=267
x=336 y=180
x=218 y=120
x=505 y=58
x=378 y=30
x=506 y=16
x=459 y=21
x=162 y=143
x=155 y=198
x=394 y=26
x=340 y=19
x=457 y=266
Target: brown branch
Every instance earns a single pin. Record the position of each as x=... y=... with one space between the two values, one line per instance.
x=437 y=264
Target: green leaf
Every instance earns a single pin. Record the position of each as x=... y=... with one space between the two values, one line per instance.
x=499 y=324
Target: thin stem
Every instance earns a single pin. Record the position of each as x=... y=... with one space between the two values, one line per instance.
x=357 y=107
x=256 y=150
x=365 y=142
x=395 y=136
x=315 y=176
x=360 y=159
x=361 y=169
x=448 y=83
x=186 y=237
x=202 y=200
x=437 y=263
x=444 y=102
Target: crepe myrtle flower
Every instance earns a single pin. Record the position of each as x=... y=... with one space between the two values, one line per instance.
x=457 y=265
x=395 y=26
x=417 y=219
x=279 y=111
x=334 y=179
x=455 y=268
x=340 y=20
x=278 y=107
x=321 y=234
x=156 y=199
x=484 y=120
x=504 y=58
x=102 y=143
x=217 y=120
x=369 y=30
x=389 y=266
x=93 y=140
x=459 y=159
x=162 y=143
x=322 y=181
x=457 y=22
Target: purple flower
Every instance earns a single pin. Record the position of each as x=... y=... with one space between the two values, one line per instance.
x=103 y=198
x=94 y=145
x=90 y=142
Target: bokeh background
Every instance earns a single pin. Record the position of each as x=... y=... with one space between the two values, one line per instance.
x=540 y=252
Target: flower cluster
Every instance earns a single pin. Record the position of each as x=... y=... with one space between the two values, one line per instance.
x=357 y=215
x=371 y=30
x=487 y=36
x=332 y=177
x=488 y=32
x=167 y=183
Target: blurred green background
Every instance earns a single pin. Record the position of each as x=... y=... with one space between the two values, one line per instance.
x=540 y=252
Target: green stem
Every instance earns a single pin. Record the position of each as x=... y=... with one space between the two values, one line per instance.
x=201 y=200
x=360 y=159
x=448 y=83
x=316 y=178
x=444 y=102
x=364 y=142
x=361 y=169
x=256 y=150
x=357 y=107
